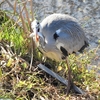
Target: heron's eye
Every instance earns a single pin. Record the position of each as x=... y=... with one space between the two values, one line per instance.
x=37 y=22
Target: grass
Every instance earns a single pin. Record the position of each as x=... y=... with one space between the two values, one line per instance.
x=18 y=82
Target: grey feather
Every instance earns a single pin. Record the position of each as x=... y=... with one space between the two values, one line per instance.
x=71 y=36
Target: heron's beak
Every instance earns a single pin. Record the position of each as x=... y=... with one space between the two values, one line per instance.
x=39 y=34
x=35 y=36
x=32 y=35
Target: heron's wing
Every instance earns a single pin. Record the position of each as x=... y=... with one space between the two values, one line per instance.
x=71 y=37
x=54 y=22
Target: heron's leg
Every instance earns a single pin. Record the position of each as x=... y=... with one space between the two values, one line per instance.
x=70 y=83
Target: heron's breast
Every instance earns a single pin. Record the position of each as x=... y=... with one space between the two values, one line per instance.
x=53 y=56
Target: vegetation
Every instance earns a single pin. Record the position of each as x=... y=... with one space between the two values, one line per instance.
x=20 y=81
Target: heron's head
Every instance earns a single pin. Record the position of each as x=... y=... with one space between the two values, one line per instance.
x=36 y=35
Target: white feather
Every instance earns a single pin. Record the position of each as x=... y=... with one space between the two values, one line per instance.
x=59 y=45
x=34 y=24
x=58 y=31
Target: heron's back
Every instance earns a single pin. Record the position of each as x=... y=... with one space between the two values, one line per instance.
x=71 y=37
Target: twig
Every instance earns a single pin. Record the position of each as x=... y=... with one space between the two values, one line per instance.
x=22 y=19
x=32 y=42
x=11 y=5
x=26 y=12
x=31 y=3
x=15 y=6
x=1 y=2
x=25 y=29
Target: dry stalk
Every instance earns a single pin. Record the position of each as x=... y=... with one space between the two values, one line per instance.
x=25 y=28
x=11 y=5
x=23 y=21
x=26 y=12
x=1 y=2
x=32 y=42
x=15 y=4
x=31 y=7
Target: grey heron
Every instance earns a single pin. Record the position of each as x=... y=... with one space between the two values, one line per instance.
x=57 y=36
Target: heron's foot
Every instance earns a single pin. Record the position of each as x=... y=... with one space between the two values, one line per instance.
x=72 y=88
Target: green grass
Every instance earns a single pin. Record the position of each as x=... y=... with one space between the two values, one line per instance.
x=13 y=35
x=18 y=82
